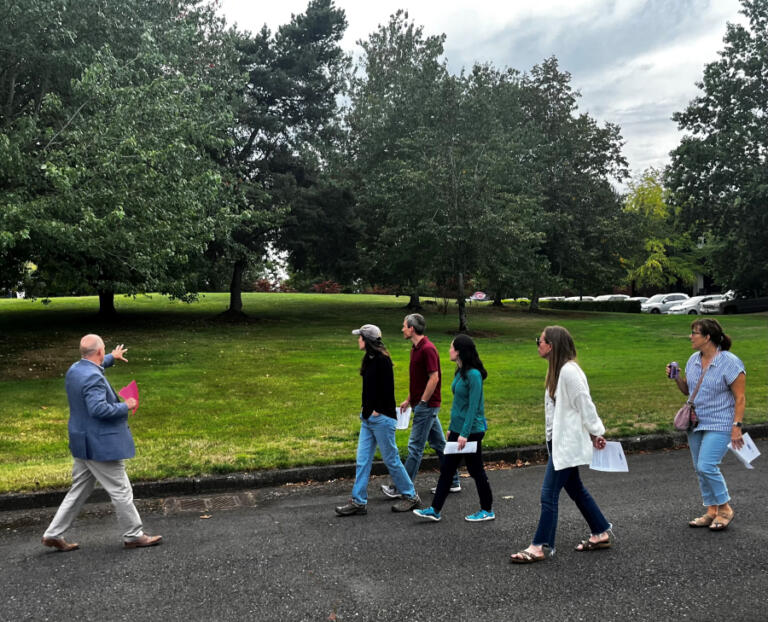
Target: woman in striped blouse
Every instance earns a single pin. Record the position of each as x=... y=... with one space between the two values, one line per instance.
x=719 y=407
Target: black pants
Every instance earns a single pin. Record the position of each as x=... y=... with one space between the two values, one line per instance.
x=475 y=467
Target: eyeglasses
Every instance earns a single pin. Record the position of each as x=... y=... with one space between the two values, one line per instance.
x=695 y=332
x=539 y=340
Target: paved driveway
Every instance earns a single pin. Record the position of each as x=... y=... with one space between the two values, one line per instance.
x=282 y=554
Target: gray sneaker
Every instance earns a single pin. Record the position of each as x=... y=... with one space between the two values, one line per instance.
x=390 y=491
x=406 y=504
x=352 y=507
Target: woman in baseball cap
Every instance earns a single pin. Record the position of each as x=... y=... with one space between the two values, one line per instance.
x=378 y=420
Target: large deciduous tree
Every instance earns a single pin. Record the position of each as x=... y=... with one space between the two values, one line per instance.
x=576 y=159
x=395 y=95
x=114 y=122
x=718 y=176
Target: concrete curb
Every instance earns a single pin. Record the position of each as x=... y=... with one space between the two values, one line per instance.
x=277 y=477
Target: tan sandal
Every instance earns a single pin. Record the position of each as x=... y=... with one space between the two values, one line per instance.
x=524 y=557
x=702 y=521
x=722 y=520
x=588 y=545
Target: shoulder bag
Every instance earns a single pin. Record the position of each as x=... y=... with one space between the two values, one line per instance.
x=685 y=418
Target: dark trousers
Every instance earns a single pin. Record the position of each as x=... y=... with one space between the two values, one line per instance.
x=475 y=467
x=554 y=482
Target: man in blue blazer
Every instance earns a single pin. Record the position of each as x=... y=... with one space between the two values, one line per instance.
x=100 y=441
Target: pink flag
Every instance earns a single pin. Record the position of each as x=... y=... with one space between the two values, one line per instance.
x=130 y=390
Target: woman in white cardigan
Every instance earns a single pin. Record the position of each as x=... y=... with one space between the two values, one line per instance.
x=573 y=429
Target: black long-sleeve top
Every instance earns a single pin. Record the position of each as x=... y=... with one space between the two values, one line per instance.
x=378 y=386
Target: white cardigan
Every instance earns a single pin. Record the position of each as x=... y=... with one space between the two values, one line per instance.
x=575 y=418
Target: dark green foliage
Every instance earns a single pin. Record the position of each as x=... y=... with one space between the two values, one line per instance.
x=608 y=306
x=719 y=173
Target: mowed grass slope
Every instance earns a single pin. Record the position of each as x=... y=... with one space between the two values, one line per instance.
x=283 y=389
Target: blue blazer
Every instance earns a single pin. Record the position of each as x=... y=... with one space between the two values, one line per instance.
x=98 y=420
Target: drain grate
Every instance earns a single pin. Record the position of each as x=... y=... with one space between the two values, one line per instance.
x=174 y=505
x=223 y=503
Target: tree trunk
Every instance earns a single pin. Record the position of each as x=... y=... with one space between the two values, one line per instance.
x=107 y=304
x=534 y=303
x=497 y=300
x=235 y=310
x=413 y=303
x=462 y=304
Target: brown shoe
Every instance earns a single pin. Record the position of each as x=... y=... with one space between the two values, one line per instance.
x=142 y=541
x=61 y=544
x=406 y=504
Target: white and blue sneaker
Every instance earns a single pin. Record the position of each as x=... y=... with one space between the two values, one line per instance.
x=390 y=491
x=428 y=514
x=480 y=515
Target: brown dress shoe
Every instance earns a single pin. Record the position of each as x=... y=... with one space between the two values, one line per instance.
x=61 y=544
x=142 y=541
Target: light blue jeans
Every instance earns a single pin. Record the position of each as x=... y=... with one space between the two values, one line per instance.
x=707 y=450
x=379 y=430
x=426 y=427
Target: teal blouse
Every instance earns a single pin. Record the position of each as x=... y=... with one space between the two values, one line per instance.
x=468 y=409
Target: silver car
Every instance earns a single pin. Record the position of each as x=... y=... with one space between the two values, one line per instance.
x=661 y=303
x=693 y=306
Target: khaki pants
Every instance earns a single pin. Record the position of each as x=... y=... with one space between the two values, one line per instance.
x=113 y=478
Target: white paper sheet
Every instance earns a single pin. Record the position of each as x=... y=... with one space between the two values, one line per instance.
x=452 y=447
x=610 y=458
x=748 y=451
x=403 y=418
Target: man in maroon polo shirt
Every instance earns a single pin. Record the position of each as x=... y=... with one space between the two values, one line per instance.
x=424 y=398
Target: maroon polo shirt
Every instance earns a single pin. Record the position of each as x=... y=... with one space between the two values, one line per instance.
x=424 y=361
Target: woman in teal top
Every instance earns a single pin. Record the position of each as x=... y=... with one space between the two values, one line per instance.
x=467 y=425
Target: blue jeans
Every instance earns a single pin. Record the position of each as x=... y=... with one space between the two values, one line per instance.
x=554 y=482
x=379 y=430
x=426 y=427
x=707 y=450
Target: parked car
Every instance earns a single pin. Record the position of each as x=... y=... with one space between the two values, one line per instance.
x=733 y=303
x=692 y=306
x=579 y=298
x=660 y=303
x=611 y=297
x=640 y=299
x=716 y=306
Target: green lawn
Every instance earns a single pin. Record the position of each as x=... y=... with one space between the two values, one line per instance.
x=283 y=388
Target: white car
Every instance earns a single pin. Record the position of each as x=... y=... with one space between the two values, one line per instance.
x=579 y=298
x=661 y=303
x=716 y=306
x=693 y=306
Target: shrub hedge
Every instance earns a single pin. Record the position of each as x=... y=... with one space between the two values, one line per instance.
x=616 y=306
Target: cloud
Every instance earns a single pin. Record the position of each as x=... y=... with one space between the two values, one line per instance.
x=635 y=62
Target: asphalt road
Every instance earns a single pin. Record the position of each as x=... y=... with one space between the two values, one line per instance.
x=286 y=556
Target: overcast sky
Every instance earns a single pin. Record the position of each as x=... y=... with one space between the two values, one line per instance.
x=635 y=62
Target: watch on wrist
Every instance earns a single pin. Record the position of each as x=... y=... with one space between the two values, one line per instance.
x=737 y=424
x=423 y=403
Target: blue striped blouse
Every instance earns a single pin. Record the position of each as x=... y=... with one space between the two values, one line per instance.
x=714 y=402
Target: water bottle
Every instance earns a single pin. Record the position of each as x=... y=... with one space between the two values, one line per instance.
x=674 y=370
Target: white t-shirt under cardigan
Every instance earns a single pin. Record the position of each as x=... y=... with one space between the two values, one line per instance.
x=571 y=418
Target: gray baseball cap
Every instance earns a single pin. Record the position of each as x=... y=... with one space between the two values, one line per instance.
x=368 y=331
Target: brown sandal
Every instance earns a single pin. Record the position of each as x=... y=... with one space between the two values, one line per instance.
x=588 y=545
x=722 y=520
x=702 y=521
x=524 y=557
